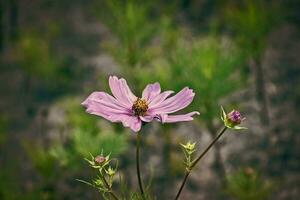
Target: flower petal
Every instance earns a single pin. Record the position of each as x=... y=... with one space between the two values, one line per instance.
x=104 y=105
x=160 y=98
x=105 y=99
x=164 y=118
x=147 y=118
x=151 y=91
x=121 y=91
x=133 y=122
x=181 y=100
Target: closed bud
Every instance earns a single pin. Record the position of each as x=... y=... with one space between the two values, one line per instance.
x=99 y=159
x=189 y=147
x=234 y=117
x=232 y=120
x=111 y=171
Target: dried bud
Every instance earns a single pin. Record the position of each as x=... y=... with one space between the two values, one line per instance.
x=99 y=159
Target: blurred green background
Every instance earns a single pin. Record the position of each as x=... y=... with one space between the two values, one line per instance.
x=240 y=54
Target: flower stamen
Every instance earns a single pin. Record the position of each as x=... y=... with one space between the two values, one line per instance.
x=139 y=107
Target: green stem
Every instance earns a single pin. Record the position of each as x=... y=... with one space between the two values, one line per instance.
x=109 y=188
x=187 y=173
x=138 y=164
x=197 y=160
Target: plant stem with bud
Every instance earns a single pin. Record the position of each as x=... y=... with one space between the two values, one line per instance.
x=194 y=163
x=109 y=187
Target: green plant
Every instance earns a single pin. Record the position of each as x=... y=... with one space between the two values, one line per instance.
x=251 y=21
x=40 y=159
x=129 y=22
x=37 y=57
x=84 y=137
x=247 y=184
x=3 y=127
x=210 y=65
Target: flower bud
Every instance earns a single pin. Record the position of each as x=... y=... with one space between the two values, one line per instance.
x=111 y=171
x=234 y=117
x=99 y=159
x=189 y=147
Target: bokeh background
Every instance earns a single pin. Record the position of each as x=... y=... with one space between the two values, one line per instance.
x=240 y=54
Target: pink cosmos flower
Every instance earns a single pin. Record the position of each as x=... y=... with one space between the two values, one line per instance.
x=125 y=107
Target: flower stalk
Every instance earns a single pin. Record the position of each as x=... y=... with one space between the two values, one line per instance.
x=102 y=164
x=108 y=187
x=138 y=138
x=194 y=163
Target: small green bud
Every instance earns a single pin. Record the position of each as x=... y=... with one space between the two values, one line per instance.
x=110 y=171
x=188 y=150
x=98 y=182
x=189 y=147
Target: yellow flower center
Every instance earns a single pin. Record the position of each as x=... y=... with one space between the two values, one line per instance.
x=139 y=107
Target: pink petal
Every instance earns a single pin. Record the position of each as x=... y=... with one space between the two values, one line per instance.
x=121 y=91
x=181 y=100
x=104 y=98
x=133 y=122
x=159 y=98
x=151 y=91
x=164 y=118
x=147 y=118
x=104 y=105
